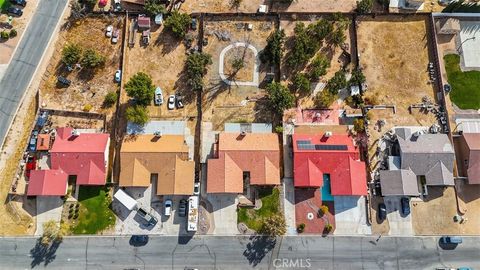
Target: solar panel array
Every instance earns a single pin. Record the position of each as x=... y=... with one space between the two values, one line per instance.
x=307 y=145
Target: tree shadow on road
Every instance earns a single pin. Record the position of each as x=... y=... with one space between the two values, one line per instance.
x=43 y=253
x=258 y=248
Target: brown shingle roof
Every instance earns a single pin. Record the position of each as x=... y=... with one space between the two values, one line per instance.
x=144 y=155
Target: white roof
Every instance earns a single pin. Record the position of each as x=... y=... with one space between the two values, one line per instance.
x=125 y=199
x=192 y=213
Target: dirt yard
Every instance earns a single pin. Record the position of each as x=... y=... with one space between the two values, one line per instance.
x=87 y=88
x=337 y=61
x=163 y=59
x=234 y=103
x=394 y=56
x=316 y=6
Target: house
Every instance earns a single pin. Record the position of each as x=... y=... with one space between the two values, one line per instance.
x=421 y=160
x=82 y=157
x=243 y=159
x=468 y=159
x=328 y=159
x=162 y=158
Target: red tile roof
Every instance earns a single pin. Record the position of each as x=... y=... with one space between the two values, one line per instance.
x=347 y=172
x=257 y=153
x=473 y=144
x=83 y=155
x=47 y=183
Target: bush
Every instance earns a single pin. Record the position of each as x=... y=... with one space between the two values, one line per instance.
x=87 y=108
x=71 y=54
x=274 y=225
x=337 y=82
x=272 y=54
x=301 y=228
x=140 y=87
x=154 y=7
x=318 y=67
x=323 y=210
x=279 y=129
x=13 y=33
x=324 y=99
x=196 y=68
x=238 y=64
x=357 y=77
x=178 y=23
x=110 y=99
x=92 y=59
x=372 y=100
x=279 y=98
x=328 y=228
x=304 y=47
x=359 y=125
x=4 y=35
x=364 y=6
x=301 y=84
x=137 y=114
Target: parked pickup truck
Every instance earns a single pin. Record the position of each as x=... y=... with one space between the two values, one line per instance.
x=151 y=220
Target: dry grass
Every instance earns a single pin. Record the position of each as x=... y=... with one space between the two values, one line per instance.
x=86 y=88
x=394 y=56
x=317 y=6
x=195 y=6
x=245 y=73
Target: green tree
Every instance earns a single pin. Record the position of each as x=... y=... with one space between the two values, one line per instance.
x=4 y=35
x=279 y=98
x=140 y=87
x=359 y=125
x=178 y=23
x=321 y=29
x=304 y=47
x=318 y=67
x=237 y=63
x=196 y=67
x=273 y=52
x=337 y=82
x=137 y=114
x=154 y=7
x=274 y=226
x=337 y=38
x=92 y=59
x=364 y=6
x=71 y=54
x=324 y=99
x=357 y=77
x=13 y=33
x=110 y=99
x=301 y=84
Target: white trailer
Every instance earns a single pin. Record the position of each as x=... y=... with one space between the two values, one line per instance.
x=192 y=213
x=129 y=202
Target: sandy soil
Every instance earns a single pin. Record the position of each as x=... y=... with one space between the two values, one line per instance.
x=317 y=6
x=394 y=57
x=218 y=6
x=235 y=103
x=86 y=88
x=20 y=24
x=245 y=73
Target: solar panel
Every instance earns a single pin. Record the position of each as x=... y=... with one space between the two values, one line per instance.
x=337 y=147
x=304 y=142
x=306 y=147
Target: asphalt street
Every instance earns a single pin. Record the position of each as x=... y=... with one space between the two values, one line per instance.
x=239 y=252
x=26 y=59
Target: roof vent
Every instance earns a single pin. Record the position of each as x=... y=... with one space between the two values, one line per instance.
x=416 y=134
x=243 y=133
x=75 y=133
x=328 y=134
x=157 y=134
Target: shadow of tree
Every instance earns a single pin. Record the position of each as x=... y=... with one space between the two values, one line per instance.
x=168 y=41
x=44 y=253
x=258 y=248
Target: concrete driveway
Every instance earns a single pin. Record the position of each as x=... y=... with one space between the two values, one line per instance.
x=48 y=208
x=399 y=224
x=350 y=215
x=224 y=208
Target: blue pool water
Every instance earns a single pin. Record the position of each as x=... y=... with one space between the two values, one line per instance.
x=326 y=190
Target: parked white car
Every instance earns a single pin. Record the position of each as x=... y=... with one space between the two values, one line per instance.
x=168 y=207
x=158 y=96
x=171 y=102
x=109 y=31
x=115 y=36
x=196 y=188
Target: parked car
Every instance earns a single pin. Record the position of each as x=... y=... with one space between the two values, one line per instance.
x=194 y=24
x=158 y=96
x=22 y=3
x=31 y=165
x=171 y=102
x=179 y=100
x=168 y=208
x=115 y=35
x=182 y=208
x=64 y=81
x=14 y=11
x=382 y=212
x=405 y=202
x=151 y=220
x=451 y=240
x=117 y=6
x=196 y=188
x=32 y=145
x=447 y=88
x=109 y=31
x=118 y=76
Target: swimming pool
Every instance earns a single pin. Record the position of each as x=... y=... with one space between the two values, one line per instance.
x=326 y=190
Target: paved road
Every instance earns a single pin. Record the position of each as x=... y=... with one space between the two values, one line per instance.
x=163 y=252
x=26 y=58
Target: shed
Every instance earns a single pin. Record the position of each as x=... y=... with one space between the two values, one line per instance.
x=129 y=202
x=143 y=23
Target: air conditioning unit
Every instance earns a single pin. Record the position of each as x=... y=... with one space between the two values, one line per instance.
x=157 y=134
x=75 y=133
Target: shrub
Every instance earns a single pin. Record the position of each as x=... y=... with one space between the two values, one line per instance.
x=238 y=64
x=274 y=225
x=328 y=228
x=364 y=6
x=318 y=67
x=140 y=87
x=71 y=54
x=337 y=82
x=279 y=98
x=137 y=114
x=92 y=59
x=196 y=68
x=87 y=108
x=323 y=210
x=359 y=125
x=154 y=7
x=372 y=100
x=357 y=77
x=13 y=33
x=301 y=228
x=279 y=129
x=272 y=54
x=110 y=99
x=4 y=35
x=301 y=84
x=324 y=99
x=178 y=23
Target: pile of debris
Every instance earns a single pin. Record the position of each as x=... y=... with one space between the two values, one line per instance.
x=222 y=35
